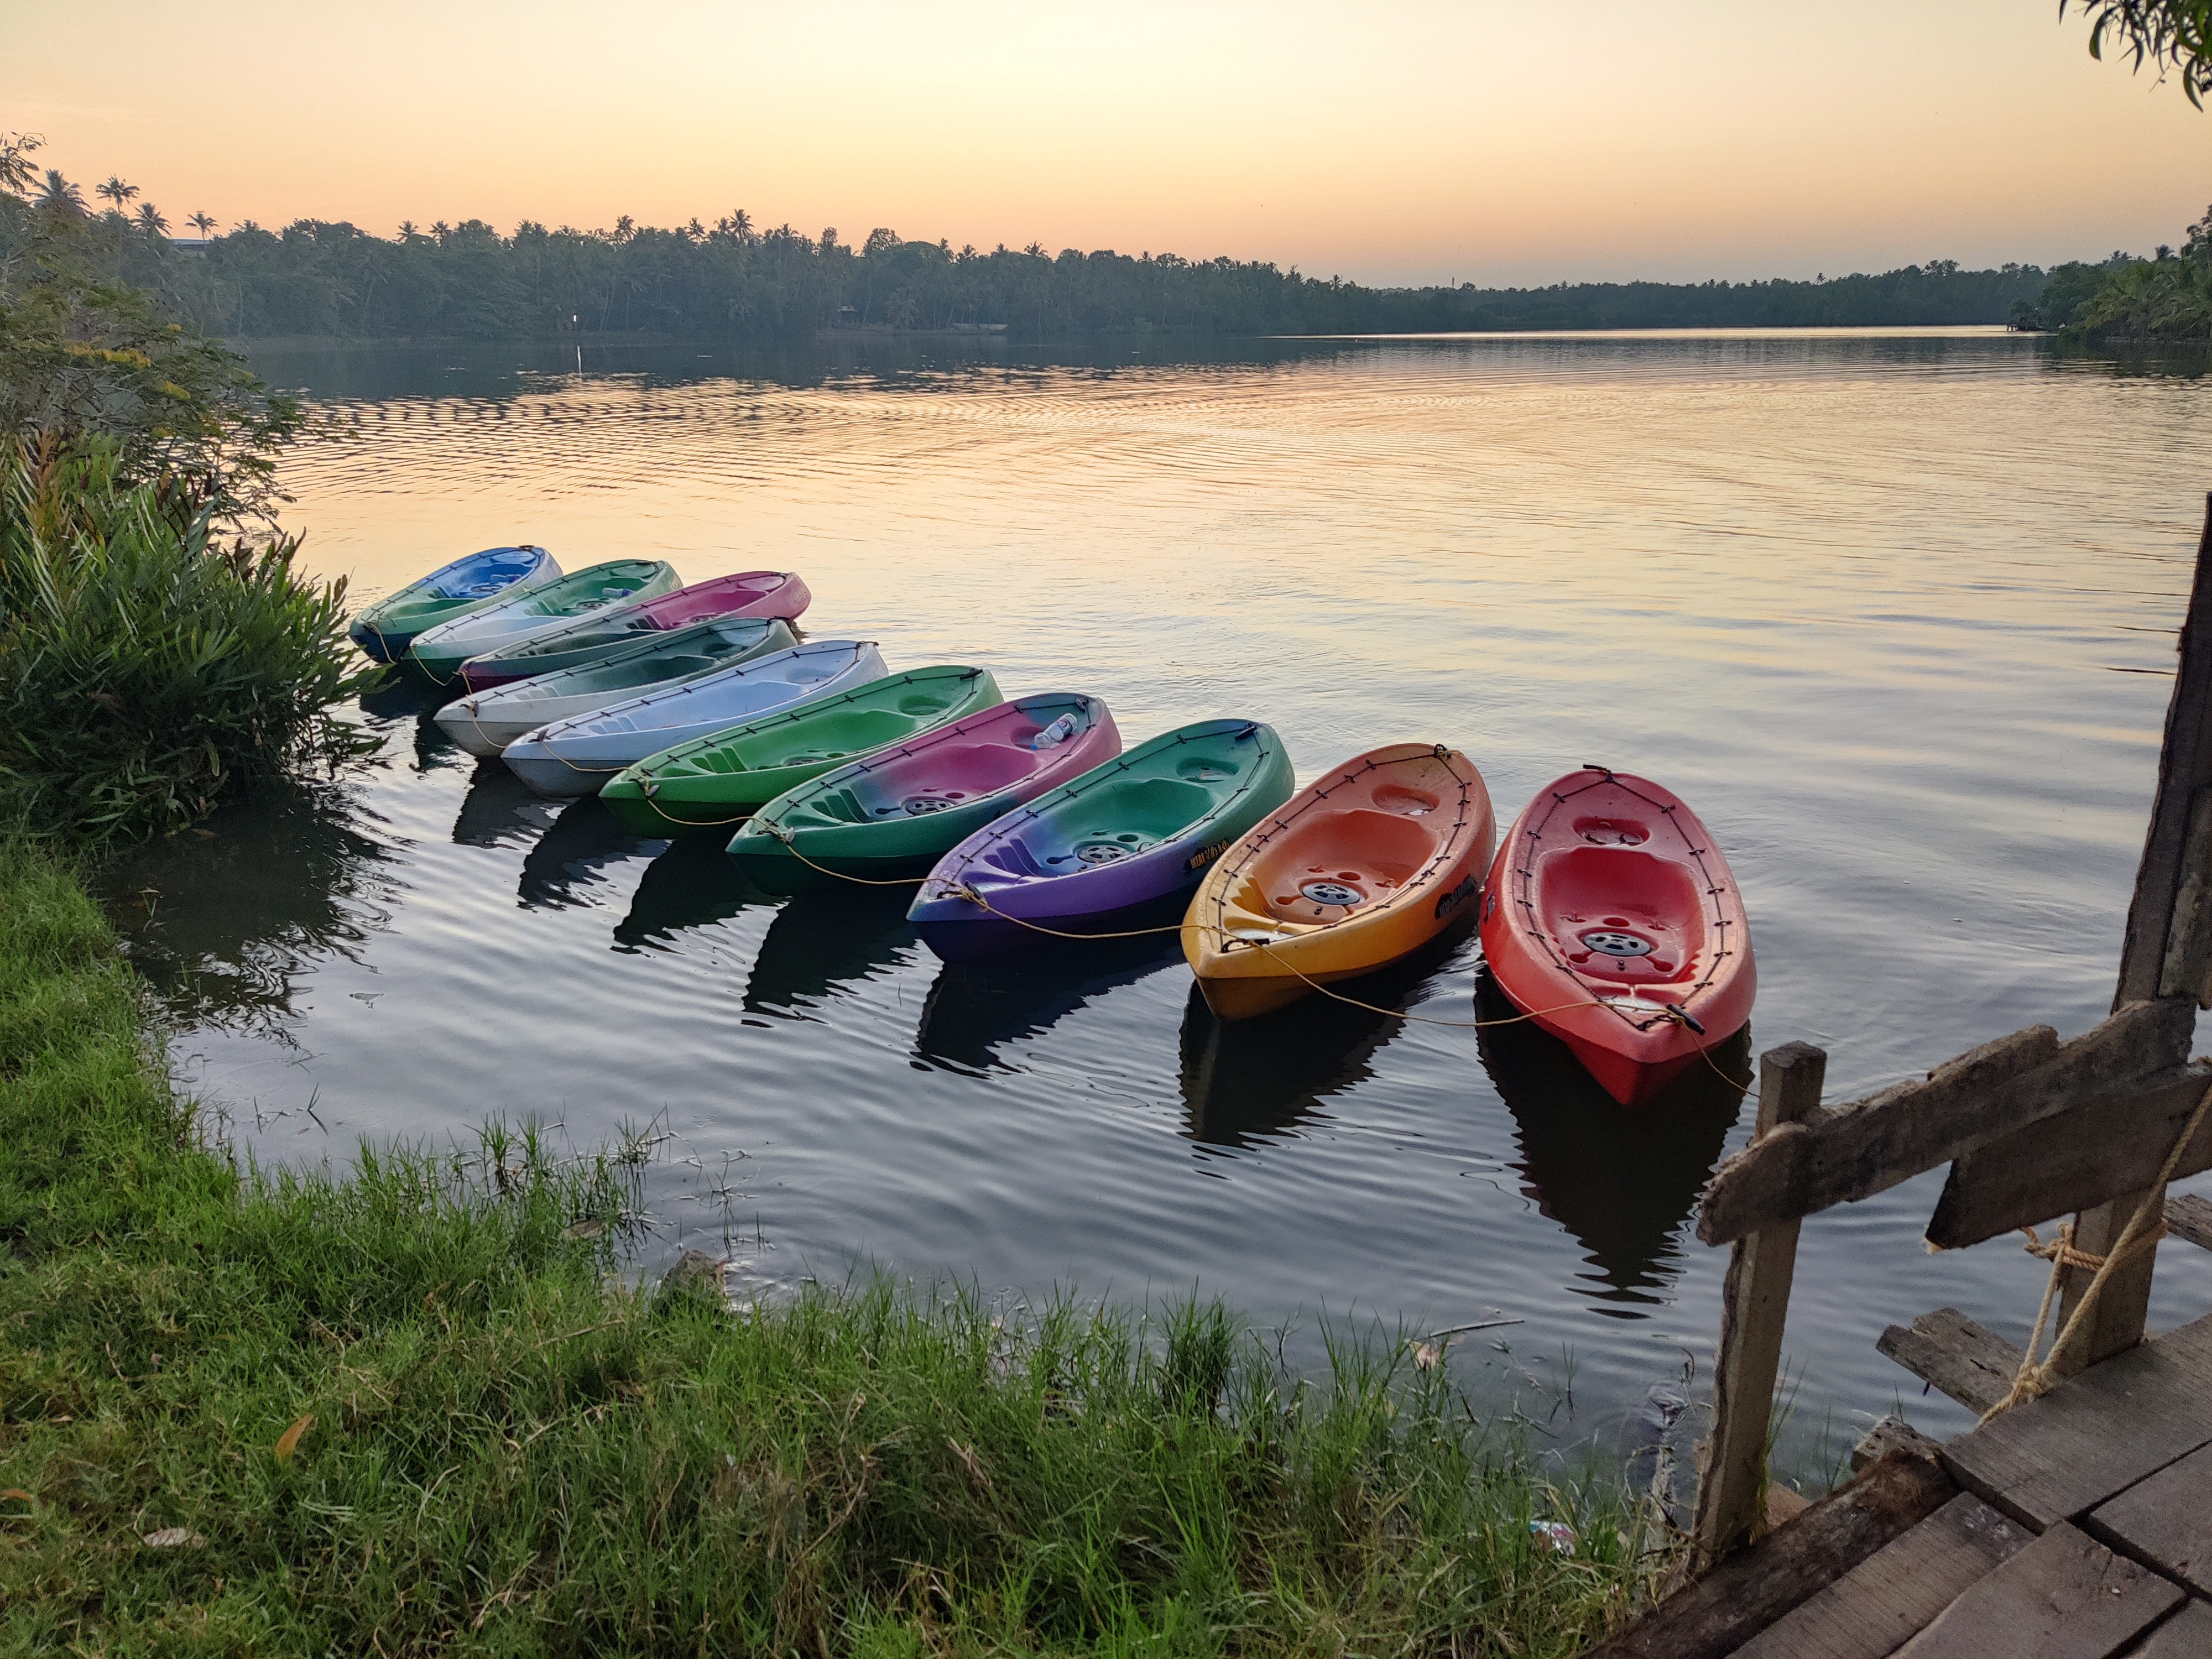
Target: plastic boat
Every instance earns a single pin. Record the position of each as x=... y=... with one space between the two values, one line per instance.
x=387 y=628
x=577 y=756
x=713 y=781
x=896 y=813
x=485 y=722
x=1612 y=920
x=594 y=638
x=440 y=651
x=1109 y=850
x=1363 y=868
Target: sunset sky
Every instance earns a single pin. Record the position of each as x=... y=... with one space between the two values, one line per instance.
x=1390 y=142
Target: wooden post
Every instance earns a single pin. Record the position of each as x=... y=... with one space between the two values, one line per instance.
x=2165 y=955
x=1754 y=1306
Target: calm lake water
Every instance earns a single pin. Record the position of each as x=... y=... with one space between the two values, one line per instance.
x=1894 y=612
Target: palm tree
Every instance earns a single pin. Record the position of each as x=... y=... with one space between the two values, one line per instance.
x=407 y=231
x=60 y=197
x=151 y=222
x=117 y=192
x=203 y=222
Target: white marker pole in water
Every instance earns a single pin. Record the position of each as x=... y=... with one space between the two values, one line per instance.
x=574 y=320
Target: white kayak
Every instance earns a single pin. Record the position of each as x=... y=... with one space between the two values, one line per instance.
x=485 y=722
x=577 y=756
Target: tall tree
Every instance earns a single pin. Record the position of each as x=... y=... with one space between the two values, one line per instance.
x=115 y=191
x=60 y=197
x=203 y=222
x=150 y=220
x=17 y=175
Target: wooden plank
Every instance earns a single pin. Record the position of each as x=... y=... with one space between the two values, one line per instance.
x=1755 y=1307
x=2187 y=1635
x=2185 y=768
x=1891 y=1434
x=1716 y=1613
x=2064 y=1596
x=1869 y=1145
x=1951 y=1353
x=2162 y=933
x=2056 y=1458
x=2189 y=1217
x=1893 y=1594
x=2099 y=1150
x=2187 y=962
x=2165 y=1521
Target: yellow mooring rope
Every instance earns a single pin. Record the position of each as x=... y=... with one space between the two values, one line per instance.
x=2036 y=1377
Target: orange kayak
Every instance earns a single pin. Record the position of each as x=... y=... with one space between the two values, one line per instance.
x=1361 y=867
x=1612 y=920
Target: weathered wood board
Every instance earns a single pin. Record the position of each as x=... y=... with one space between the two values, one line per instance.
x=1895 y=1592
x=1892 y=1434
x=1712 y=1616
x=2189 y=1217
x=1949 y=1352
x=2165 y=1521
x=1869 y=1145
x=2056 y=1458
x=2064 y=1596
x=2187 y=1635
x=2088 y=1155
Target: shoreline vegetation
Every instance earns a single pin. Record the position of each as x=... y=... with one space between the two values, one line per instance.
x=426 y=1404
x=415 y=1409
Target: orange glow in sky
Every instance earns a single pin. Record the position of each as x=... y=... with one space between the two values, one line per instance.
x=1392 y=142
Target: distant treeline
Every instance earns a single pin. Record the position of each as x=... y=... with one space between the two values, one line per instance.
x=731 y=280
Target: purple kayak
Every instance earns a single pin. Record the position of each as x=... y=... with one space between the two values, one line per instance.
x=896 y=812
x=1123 y=846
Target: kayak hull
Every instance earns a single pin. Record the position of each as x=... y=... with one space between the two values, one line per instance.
x=388 y=630
x=715 y=781
x=485 y=722
x=748 y=594
x=1109 y=850
x=892 y=815
x=1365 y=867
x=581 y=755
x=438 y=653
x=1613 y=922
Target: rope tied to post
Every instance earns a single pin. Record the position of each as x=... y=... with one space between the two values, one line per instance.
x=2036 y=1378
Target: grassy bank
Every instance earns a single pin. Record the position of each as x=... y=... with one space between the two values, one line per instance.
x=415 y=1411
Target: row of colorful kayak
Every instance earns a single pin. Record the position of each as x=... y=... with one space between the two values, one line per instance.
x=1607 y=914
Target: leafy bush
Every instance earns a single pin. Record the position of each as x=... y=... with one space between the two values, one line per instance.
x=145 y=672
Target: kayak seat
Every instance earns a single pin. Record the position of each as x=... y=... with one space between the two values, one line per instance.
x=821 y=737
x=1618 y=916
x=1134 y=813
x=1330 y=864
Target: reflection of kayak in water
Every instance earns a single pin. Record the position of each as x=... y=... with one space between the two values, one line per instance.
x=1612 y=918
x=689 y=885
x=1622 y=1180
x=585 y=840
x=819 y=941
x=1248 y=1081
x=973 y=1011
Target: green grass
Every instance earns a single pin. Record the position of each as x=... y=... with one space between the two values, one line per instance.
x=514 y=1451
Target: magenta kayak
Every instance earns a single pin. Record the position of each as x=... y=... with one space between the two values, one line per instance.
x=762 y=593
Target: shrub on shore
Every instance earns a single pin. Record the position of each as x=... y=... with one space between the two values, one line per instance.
x=146 y=671
x=412 y=1412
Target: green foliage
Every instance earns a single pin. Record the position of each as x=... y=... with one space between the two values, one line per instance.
x=2172 y=36
x=2165 y=298
x=410 y=1412
x=144 y=671
x=2071 y=286
x=331 y=279
x=86 y=353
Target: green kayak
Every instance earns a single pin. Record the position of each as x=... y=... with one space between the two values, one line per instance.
x=440 y=651
x=717 y=780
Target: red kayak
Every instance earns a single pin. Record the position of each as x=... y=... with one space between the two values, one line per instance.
x=1612 y=920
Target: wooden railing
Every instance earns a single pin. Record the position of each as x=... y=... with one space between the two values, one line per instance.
x=2032 y=1128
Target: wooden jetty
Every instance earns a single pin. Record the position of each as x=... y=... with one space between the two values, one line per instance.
x=2075 y=1522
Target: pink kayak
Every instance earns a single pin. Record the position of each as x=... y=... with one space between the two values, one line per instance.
x=588 y=640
